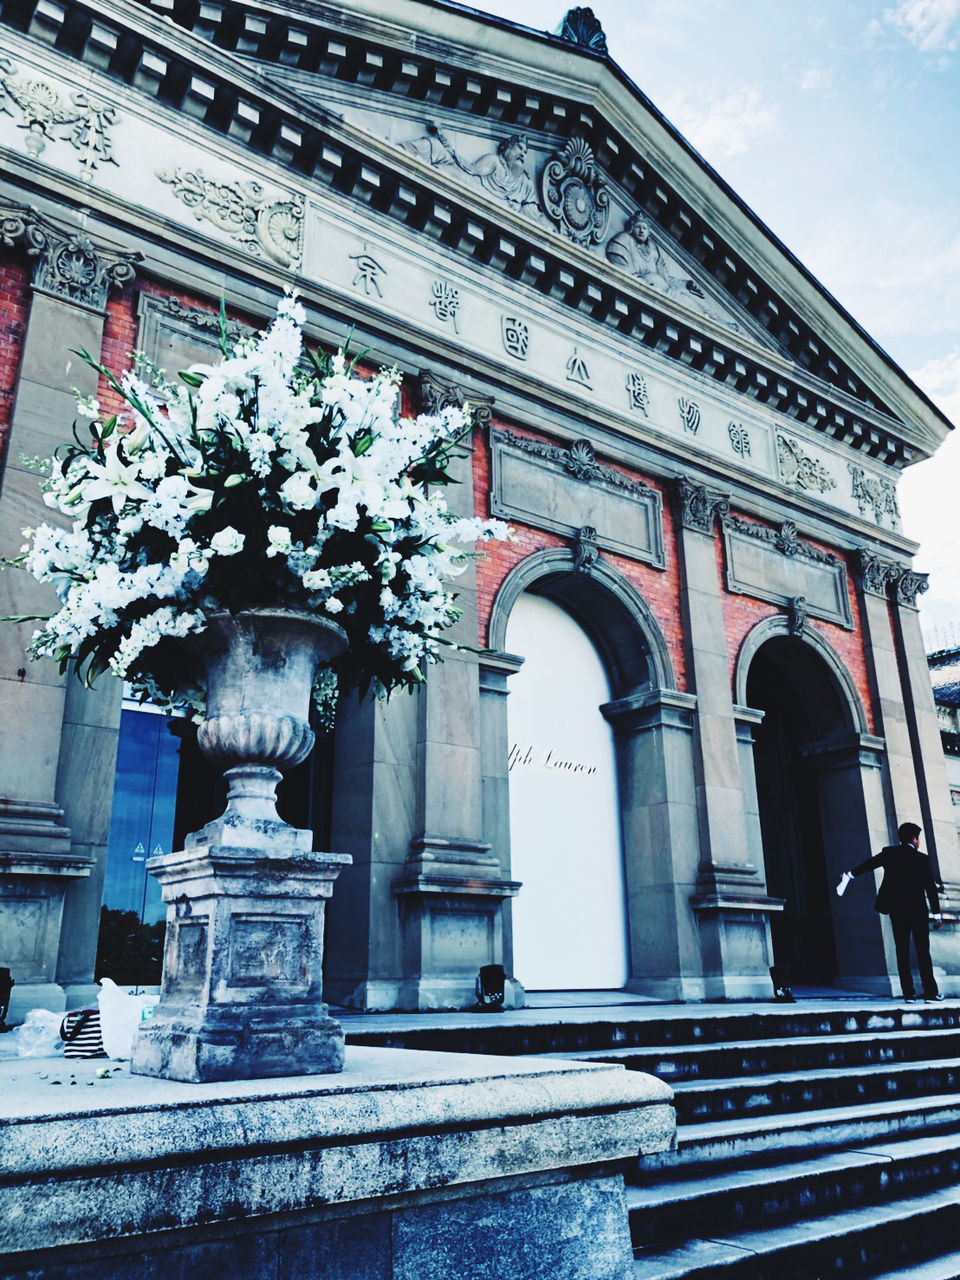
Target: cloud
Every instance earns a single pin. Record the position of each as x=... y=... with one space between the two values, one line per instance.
x=895 y=265
x=724 y=126
x=816 y=79
x=930 y=25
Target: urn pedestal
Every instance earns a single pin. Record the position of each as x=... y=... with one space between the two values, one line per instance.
x=242 y=972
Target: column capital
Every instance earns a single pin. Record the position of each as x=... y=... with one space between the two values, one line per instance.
x=877 y=575
x=435 y=394
x=68 y=263
x=697 y=506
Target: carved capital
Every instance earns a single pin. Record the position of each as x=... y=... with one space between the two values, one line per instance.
x=697 y=506
x=435 y=394
x=909 y=585
x=69 y=264
x=872 y=572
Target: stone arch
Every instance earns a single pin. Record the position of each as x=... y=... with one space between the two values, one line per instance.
x=605 y=604
x=778 y=626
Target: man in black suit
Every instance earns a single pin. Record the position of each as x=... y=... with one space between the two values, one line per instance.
x=906 y=888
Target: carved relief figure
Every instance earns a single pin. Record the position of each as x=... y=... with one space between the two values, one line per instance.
x=501 y=173
x=635 y=251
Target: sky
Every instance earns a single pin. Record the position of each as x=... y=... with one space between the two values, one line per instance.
x=838 y=122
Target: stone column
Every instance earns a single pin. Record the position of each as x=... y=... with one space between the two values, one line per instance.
x=39 y=801
x=658 y=804
x=730 y=898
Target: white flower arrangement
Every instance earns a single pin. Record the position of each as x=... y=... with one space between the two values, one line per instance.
x=252 y=483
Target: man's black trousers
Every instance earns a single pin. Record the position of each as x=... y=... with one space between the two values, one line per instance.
x=917 y=927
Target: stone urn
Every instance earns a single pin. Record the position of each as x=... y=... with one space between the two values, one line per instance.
x=242 y=983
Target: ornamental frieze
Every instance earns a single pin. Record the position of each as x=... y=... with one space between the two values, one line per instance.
x=574 y=195
x=243 y=211
x=874 y=493
x=83 y=121
x=776 y=564
x=579 y=461
x=800 y=470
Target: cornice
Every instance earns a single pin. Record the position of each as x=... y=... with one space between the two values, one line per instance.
x=183 y=72
x=469 y=61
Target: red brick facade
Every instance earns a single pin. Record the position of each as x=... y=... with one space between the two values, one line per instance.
x=14 y=310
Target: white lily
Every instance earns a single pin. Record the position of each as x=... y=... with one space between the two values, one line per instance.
x=113 y=480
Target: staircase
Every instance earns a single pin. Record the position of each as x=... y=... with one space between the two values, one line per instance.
x=812 y=1142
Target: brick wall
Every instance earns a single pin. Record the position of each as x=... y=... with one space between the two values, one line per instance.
x=14 y=309
x=659 y=587
x=742 y=613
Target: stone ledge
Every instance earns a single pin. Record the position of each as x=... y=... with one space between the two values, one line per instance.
x=133 y=1155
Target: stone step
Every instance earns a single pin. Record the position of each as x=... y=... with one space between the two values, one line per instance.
x=943 y=1267
x=856 y=1241
x=759 y=1057
x=720 y=1203
x=762 y=1136
x=528 y=1032
x=698 y=1101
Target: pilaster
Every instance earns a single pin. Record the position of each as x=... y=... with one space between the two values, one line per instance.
x=45 y=796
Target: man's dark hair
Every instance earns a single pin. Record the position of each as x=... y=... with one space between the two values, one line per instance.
x=908 y=832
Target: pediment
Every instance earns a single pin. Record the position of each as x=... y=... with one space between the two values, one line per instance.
x=558 y=187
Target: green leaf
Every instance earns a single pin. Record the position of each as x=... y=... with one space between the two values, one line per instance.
x=231 y=482
x=191 y=379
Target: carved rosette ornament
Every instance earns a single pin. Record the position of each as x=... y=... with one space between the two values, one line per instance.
x=435 y=395
x=697 y=506
x=574 y=195
x=244 y=212
x=69 y=264
x=582 y=27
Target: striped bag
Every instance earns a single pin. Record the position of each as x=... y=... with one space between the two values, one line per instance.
x=80 y=1032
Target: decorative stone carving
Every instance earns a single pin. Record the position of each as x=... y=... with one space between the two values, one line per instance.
x=697 y=505
x=369 y=272
x=47 y=118
x=637 y=392
x=574 y=196
x=872 y=572
x=244 y=211
x=205 y=321
x=501 y=173
x=579 y=461
x=739 y=439
x=874 y=493
x=586 y=551
x=909 y=585
x=797 y=615
x=800 y=470
x=689 y=415
x=516 y=336
x=582 y=27
x=445 y=300
x=786 y=539
x=577 y=370
x=69 y=263
x=436 y=395
x=778 y=565
x=635 y=251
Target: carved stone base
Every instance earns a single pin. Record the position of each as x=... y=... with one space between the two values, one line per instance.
x=242 y=981
x=239 y=1045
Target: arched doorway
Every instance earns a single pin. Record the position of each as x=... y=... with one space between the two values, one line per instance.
x=569 y=921
x=812 y=811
